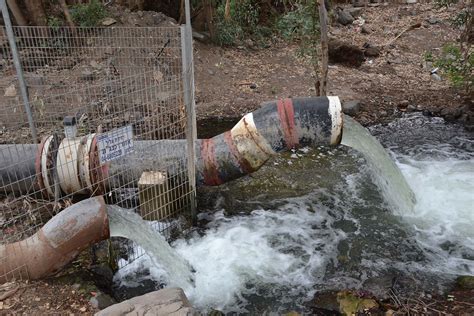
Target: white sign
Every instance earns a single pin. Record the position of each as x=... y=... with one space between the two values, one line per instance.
x=115 y=144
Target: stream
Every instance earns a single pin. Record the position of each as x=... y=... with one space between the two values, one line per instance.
x=320 y=219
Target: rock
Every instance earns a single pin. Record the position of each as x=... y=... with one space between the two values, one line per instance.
x=433 y=20
x=411 y=1
x=366 y=29
x=103 y=276
x=201 y=36
x=325 y=303
x=108 y=21
x=249 y=43
x=10 y=91
x=371 y=51
x=355 y=12
x=168 y=301
x=394 y=60
x=344 y=17
x=349 y=304
x=465 y=282
x=101 y=301
x=403 y=104
x=87 y=75
x=344 y=53
x=351 y=107
x=359 y=3
x=209 y=71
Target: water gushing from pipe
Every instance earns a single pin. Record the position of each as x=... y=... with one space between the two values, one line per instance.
x=385 y=173
x=124 y=223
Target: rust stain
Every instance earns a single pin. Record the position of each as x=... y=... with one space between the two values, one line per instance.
x=243 y=163
x=257 y=143
x=287 y=121
x=210 y=172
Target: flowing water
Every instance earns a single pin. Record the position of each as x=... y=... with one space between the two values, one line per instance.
x=385 y=172
x=124 y=223
x=337 y=228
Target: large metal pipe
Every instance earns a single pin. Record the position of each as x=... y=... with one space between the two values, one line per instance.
x=276 y=126
x=57 y=243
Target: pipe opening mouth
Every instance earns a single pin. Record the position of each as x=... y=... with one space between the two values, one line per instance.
x=337 y=122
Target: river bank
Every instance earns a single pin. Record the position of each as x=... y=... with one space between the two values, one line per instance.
x=394 y=79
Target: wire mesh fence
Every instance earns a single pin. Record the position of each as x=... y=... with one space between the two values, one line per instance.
x=108 y=106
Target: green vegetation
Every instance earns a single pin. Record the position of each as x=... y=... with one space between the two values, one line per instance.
x=428 y=56
x=54 y=22
x=88 y=15
x=296 y=24
x=445 y=3
x=458 y=67
x=242 y=23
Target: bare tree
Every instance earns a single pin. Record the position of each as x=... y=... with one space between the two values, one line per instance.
x=36 y=12
x=17 y=14
x=323 y=22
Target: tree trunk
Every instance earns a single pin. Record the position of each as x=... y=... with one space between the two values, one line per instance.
x=315 y=48
x=16 y=12
x=36 y=12
x=182 y=12
x=323 y=22
x=227 y=16
x=209 y=17
x=66 y=13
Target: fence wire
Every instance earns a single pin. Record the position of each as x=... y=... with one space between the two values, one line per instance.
x=108 y=108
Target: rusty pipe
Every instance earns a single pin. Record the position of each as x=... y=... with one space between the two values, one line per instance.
x=58 y=242
x=276 y=126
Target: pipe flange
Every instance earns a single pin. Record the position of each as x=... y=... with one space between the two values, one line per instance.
x=67 y=165
x=47 y=165
x=97 y=172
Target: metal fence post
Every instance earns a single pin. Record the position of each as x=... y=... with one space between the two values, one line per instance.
x=188 y=85
x=19 y=70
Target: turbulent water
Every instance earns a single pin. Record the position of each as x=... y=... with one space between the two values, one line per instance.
x=385 y=172
x=124 y=223
x=339 y=233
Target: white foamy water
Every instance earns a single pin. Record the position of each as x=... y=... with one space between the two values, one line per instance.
x=444 y=214
x=337 y=236
x=267 y=254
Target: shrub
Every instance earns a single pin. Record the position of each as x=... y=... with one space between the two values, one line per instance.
x=458 y=67
x=242 y=24
x=88 y=15
x=297 y=23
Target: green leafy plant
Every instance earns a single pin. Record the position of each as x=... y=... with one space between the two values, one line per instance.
x=458 y=67
x=54 y=22
x=88 y=15
x=243 y=22
x=428 y=56
x=297 y=23
x=445 y=3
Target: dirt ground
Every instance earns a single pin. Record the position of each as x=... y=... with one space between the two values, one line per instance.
x=44 y=298
x=233 y=81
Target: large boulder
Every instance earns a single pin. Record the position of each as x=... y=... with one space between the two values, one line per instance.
x=169 y=301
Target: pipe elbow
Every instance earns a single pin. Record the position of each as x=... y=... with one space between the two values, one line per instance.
x=58 y=242
x=276 y=126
